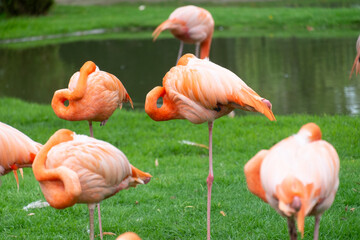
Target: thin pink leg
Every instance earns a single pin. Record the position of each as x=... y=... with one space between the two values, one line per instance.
x=99 y=217
x=91 y=130
x=317 y=226
x=209 y=179
x=292 y=228
x=180 y=51
x=91 y=207
x=197 y=49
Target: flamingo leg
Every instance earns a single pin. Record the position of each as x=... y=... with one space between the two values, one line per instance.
x=180 y=51
x=91 y=129
x=197 y=49
x=292 y=228
x=317 y=226
x=91 y=207
x=209 y=179
x=100 y=225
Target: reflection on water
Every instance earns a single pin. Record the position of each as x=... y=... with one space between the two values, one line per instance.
x=298 y=75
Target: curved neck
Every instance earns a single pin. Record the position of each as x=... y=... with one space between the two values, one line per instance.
x=88 y=68
x=205 y=47
x=63 y=95
x=61 y=185
x=166 y=112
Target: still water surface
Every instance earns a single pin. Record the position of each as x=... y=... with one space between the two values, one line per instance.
x=298 y=75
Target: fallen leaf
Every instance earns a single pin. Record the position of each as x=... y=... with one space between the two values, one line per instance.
x=31 y=214
x=193 y=144
x=156 y=162
x=223 y=213
x=309 y=28
x=352 y=209
x=109 y=233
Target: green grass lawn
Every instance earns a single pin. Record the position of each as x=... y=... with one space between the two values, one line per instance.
x=173 y=204
x=230 y=20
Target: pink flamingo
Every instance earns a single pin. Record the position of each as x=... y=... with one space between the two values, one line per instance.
x=298 y=176
x=190 y=24
x=75 y=168
x=201 y=91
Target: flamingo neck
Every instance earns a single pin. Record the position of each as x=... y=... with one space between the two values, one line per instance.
x=60 y=186
x=166 y=112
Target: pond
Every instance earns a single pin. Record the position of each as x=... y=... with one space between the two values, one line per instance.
x=298 y=75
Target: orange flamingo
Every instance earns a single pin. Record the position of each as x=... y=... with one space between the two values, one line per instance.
x=128 y=236
x=297 y=177
x=16 y=150
x=201 y=91
x=356 y=65
x=190 y=24
x=92 y=95
x=75 y=168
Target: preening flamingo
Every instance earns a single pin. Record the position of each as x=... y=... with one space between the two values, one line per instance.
x=128 y=236
x=92 y=95
x=298 y=177
x=190 y=24
x=356 y=65
x=16 y=150
x=201 y=91
x=75 y=168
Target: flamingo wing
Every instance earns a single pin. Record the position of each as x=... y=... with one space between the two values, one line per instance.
x=207 y=85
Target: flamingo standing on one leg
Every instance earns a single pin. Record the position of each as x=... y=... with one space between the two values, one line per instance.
x=201 y=91
x=356 y=65
x=16 y=150
x=297 y=177
x=75 y=168
x=190 y=24
x=93 y=95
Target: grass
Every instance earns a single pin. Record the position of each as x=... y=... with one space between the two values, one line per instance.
x=230 y=20
x=173 y=204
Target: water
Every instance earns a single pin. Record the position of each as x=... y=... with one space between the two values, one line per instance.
x=298 y=75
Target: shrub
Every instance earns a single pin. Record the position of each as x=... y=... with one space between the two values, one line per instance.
x=26 y=7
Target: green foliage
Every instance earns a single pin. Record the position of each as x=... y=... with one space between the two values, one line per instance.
x=173 y=204
x=26 y=7
x=229 y=20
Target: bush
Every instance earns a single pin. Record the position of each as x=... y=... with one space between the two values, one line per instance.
x=26 y=7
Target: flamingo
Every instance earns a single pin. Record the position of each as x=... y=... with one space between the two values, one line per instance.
x=201 y=91
x=16 y=150
x=128 y=236
x=190 y=24
x=92 y=95
x=75 y=168
x=298 y=177
x=356 y=65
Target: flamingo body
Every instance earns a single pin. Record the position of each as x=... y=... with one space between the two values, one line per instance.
x=298 y=176
x=202 y=91
x=356 y=65
x=16 y=150
x=190 y=24
x=75 y=168
x=92 y=95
